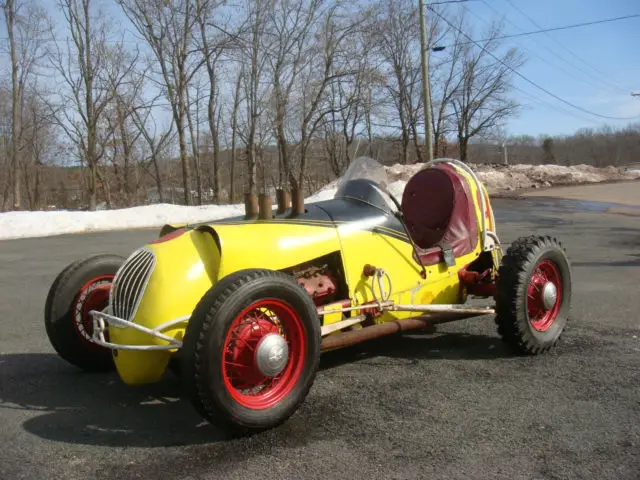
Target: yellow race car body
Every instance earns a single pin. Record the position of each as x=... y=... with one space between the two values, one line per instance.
x=326 y=249
x=244 y=307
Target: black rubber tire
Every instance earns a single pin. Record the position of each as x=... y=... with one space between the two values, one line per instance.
x=203 y=343
x=58 y=313
x=512 y=317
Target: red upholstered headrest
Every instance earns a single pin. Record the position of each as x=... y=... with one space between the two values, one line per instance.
x=427 y=205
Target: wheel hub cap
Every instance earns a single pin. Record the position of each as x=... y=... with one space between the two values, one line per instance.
x=549 y=295
x=272 y=355
x=544 y=295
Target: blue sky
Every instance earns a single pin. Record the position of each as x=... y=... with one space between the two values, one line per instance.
x=598 y=73
x=601 y=75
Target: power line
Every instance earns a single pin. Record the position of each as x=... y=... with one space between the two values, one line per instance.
x=449 y=1
x=531 y=82
x=581 y=78
x=553 y=29
x=557 y=108
x=604 y=77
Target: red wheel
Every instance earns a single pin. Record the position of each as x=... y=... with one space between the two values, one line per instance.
x=263 y=354
x=94 y=295
x=251 y=350
x=81 y=287
x=544 y=295
x=533 y=297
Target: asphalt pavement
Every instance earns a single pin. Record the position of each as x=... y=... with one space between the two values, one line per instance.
x=451 y=403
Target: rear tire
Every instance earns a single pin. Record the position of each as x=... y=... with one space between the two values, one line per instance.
x=533 y=297
x=220 y=366
x=80 y=287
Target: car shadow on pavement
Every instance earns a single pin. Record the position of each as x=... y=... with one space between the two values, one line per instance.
x=426 y=344
x=64 y=404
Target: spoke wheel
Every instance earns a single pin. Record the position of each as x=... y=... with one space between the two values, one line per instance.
x=544 y=295
x=251 y=350
x=94 y=295
x=81 y=287
x=244 y=379
x=533 y=298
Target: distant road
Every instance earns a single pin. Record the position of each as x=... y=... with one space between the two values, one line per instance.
x=624 y=193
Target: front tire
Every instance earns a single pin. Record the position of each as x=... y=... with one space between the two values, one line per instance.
x=533 y=294
x=81 y=287
x=251 y=350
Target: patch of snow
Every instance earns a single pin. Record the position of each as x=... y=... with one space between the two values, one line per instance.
x=496 y=178
x=58 y=222
x=43 y=224
x=325 y=193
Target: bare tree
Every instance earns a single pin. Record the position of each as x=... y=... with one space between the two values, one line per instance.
x=194 y=135
x=350 y=105
x=317 y=76
x=127 y=97
x=446 y=82
x=9 y=9
x=156 y=140
x=168 y=29
x=26 y=26
x=254 y=60
x=397 y=40
x=481 y=102
x=214 y=42
x=290 y=26
x=234 y=131
x=85 y=65
x=38 y=148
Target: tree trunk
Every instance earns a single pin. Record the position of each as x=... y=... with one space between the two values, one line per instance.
x=216 y=143
x=405 y=137
x=232 y=168
x=463 y=145
x=92 y=185
x=284 y=154
x=416 y=143
x=9 y=12
x=156 y=167
x=126 y=154
x=251 y=163
x=194 y=152
x=234 y=132
x=184 y=161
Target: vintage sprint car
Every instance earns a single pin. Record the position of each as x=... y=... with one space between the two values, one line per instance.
x=243 y=307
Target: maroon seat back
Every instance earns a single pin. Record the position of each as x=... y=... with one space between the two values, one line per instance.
x=438 y=210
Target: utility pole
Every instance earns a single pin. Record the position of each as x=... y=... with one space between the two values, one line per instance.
x=505 y=158
x=426 y=91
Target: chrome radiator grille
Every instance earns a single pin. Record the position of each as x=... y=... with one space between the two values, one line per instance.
x=130 y=282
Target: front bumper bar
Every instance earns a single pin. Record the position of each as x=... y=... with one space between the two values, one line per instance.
x=102 y=321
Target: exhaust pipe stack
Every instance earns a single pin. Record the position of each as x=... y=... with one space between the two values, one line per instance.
x=250 y=206
x=265 y=212
x=284 y=201
x=298 y=202
x=261 y=206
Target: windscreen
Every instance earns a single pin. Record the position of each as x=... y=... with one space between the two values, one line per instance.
x=366 y=168
x=360 y=180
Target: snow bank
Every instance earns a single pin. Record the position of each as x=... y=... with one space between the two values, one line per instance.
x=43 y=224
x=516 y=177
x=497 y=178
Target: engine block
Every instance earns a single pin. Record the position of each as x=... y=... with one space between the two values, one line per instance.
x=318 y=281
